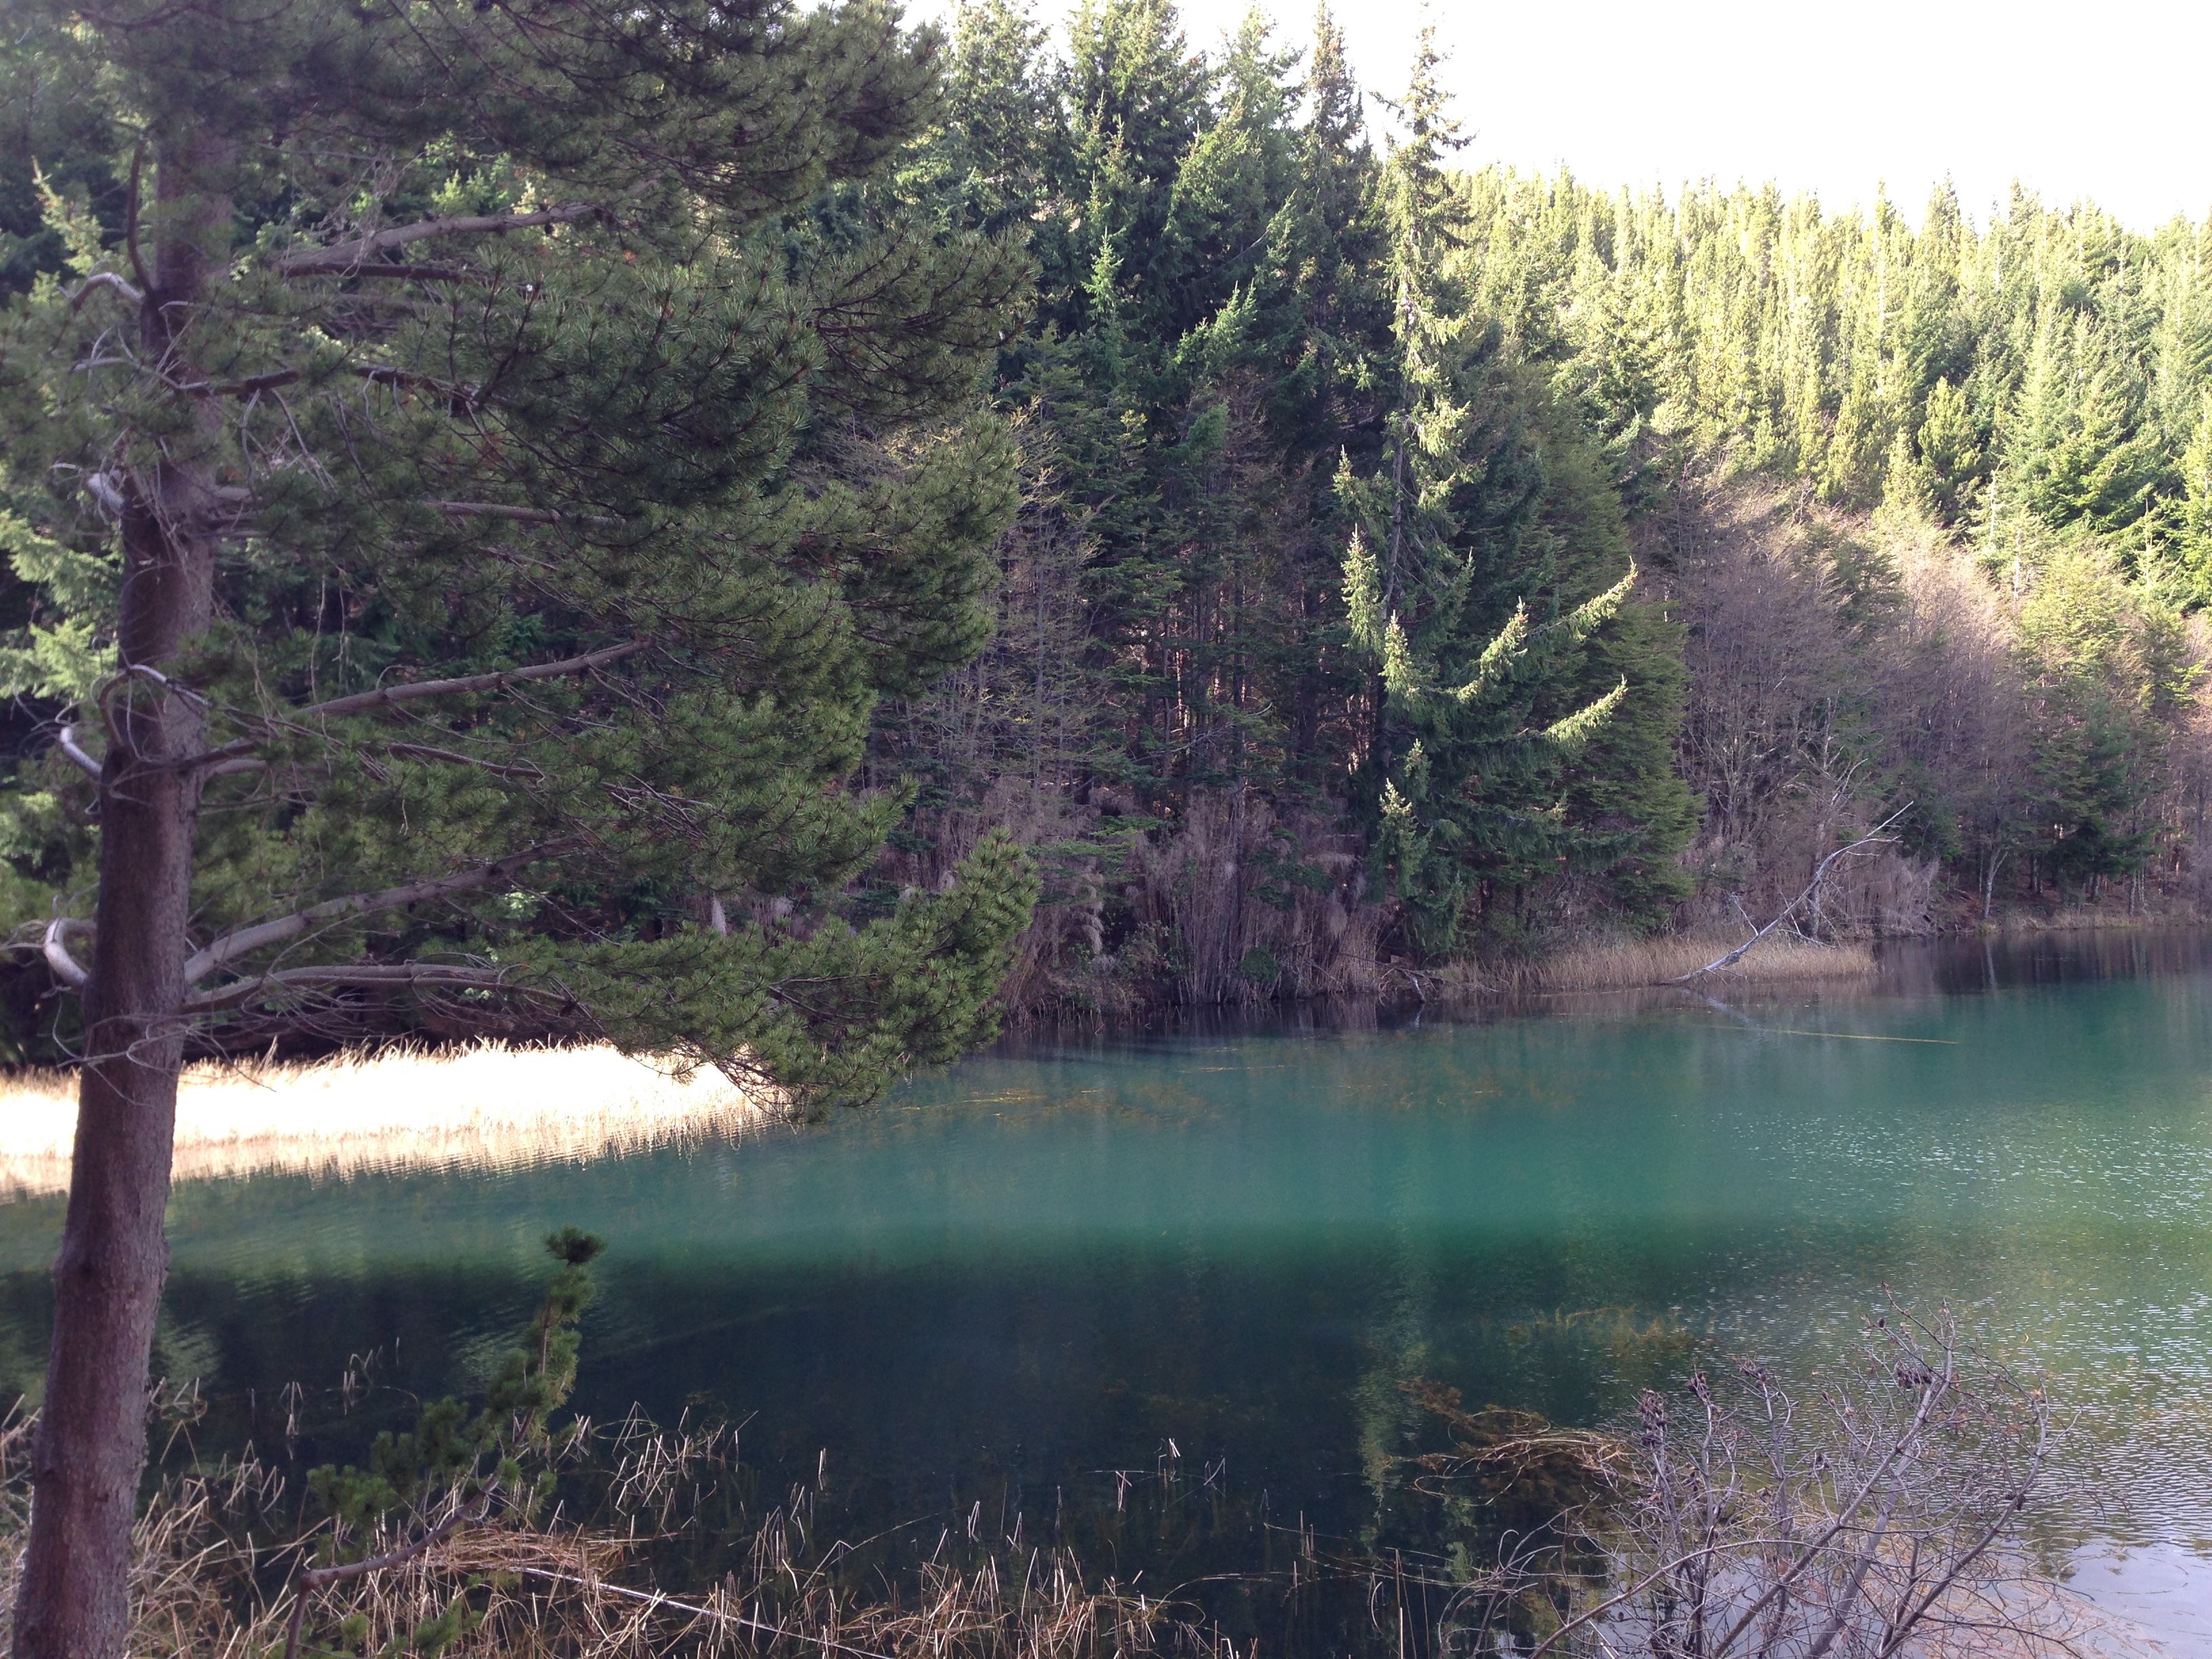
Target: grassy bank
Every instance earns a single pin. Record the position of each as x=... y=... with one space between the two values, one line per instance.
x=484 y=1106
x=1622 y=964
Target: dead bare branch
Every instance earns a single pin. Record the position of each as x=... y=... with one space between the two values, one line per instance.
x=67 y=968
x=406 y=975
x=75 y=753
x=1874 y=837
x=110 y=281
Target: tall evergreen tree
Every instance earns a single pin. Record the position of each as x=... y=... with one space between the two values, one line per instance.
x=1462 y=770
x=478 y=491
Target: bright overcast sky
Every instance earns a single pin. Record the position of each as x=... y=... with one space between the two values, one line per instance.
x=2111 y=98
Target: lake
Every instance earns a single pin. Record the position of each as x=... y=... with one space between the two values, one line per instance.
x=1227 y=1248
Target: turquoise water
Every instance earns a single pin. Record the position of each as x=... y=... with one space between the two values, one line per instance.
x=1051 y=1262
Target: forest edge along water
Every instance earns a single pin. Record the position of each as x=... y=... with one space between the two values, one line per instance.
x=1182 y=1297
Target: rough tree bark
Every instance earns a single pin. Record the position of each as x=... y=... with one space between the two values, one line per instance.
x=90 y=1449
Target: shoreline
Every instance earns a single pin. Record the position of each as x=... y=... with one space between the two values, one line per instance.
x=490 y=1105
x=485 y=1106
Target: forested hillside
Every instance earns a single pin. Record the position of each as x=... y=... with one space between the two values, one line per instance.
x=1418 y=564
x=1420 y=561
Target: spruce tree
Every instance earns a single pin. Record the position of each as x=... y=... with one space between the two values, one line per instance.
x=477 y=481
x=2192 y=551
x=1461 y=769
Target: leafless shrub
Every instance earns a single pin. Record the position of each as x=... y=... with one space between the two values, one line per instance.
x=1829 y=659
x=1257 y=906
x=1873 y=1517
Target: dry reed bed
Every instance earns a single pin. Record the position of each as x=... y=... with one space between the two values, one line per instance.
x=201 y=1589
x=480 y=1106
x=1625 y=964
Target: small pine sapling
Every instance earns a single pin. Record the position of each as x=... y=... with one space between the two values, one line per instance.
x=456 y=1468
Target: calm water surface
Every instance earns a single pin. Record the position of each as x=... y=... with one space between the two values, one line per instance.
x=1050 y=1262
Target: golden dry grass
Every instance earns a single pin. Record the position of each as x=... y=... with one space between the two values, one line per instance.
x=480 y=1107
x=1623 y=964
x=556 y=1589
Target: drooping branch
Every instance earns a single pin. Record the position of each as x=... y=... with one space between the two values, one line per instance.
x=67 y=968
x=106 y=279
x=423 y=752
x=1874 y=837
x=409 y=975
x=519 y=514
x=275 y=379
x=416 y=273
x=236 y=944
x=385 y=696
x=343 y=258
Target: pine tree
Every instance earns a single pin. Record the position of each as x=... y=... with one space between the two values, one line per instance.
x=478 y=491
x=997 y=160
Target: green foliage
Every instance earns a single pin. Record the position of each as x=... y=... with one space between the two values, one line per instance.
x=1264 y=401
x=473 y=1459
x=965 y=434
x=2053 y=362
x=493 y=1464
x=695 y=412
x=2107 y=664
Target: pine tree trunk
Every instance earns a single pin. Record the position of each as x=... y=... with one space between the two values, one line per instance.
x=90 y=1447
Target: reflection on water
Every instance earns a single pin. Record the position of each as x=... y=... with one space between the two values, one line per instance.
x=1050 y=1262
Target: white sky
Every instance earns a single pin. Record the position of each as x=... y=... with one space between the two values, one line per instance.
x=2105 y=98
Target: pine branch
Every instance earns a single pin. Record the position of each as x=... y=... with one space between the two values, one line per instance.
x=385 y=696
x=243 y=939
x=423 y=752
x=417 y=273
x=351 y=258
x=519 y=514
x=435 y=976
x=314 y=1578
x=388 y=696
x=461 y=396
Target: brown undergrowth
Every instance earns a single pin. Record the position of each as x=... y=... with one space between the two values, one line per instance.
x=202 y=1587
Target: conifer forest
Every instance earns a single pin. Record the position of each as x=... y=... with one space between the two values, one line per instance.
x=1379 y=561
x=1417 y=561
x=786 y=541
